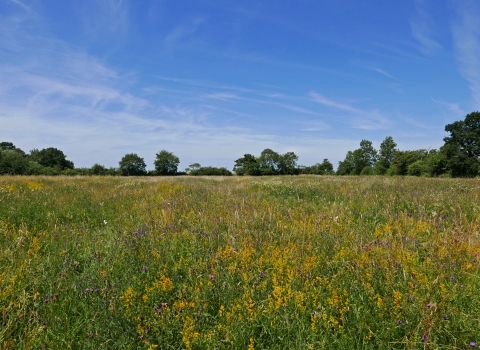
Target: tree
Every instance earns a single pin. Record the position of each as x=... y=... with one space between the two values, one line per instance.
x=347 y=166
x=51 y=157
x=385 y=156
x=247 y=165
x=193 y=167
x=269 y=162
x=355 y=161
x=132 y=164
x=97 y=169
x=166 y=163
x=13 y=162
x=462 y=147
x=287 y=164
x=324 y=168
x=402 y=159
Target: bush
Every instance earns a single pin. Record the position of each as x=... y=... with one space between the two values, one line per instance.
x=368 y=170
x=417 y=168
x=392 y=170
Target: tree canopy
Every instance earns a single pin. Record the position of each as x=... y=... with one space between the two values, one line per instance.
x=166 y=163
x=131 y=164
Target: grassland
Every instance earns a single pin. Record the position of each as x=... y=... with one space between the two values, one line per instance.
x=239 y=263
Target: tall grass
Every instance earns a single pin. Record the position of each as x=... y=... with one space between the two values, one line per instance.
x=259 y=263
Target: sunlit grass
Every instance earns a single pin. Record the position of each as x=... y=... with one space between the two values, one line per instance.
x=235 y=263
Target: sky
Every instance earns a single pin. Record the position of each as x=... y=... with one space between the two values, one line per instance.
x=212 y=80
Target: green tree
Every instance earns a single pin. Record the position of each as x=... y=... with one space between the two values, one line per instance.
x=324 y=168
x=347 y=166
x=97 y=169
x=247 y=165
x=385 y=155
x=166 y=163
x=402 y=159
x=51 y=157
x=131 y=164
x=13 y=162
x=269 y=162
x=462 y=147
x=287 y=164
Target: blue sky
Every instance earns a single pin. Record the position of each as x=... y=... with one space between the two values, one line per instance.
x=212 y=80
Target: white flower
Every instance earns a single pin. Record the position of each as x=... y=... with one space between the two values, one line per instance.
x=105 y=222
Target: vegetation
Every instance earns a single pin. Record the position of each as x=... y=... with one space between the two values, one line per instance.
x=458 y=157
x=302 y=262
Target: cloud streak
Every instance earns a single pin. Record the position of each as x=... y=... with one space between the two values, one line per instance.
x=466 y=36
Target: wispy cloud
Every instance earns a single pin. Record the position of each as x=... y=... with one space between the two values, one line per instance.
x=466 y=36
x=381 y=71
x=421 y=26
x=358 y=118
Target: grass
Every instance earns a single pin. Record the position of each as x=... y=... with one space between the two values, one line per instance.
x=255 y=263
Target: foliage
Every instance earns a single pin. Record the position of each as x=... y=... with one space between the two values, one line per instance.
x=247 y=165
x=324 y=168
x=268 y=263
x=360 y=158
x=403 y=159
x=51 y=157
x=368 y=170
x=166 y=163
x=98 y=169
x=12 y=162
x=385 y=156
x=131 y=164
x=210 y=170
x=462 y=147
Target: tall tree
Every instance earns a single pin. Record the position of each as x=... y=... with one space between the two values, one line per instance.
x=269 y=162
x=166 y=163
x=462 y=147
x=385 y=156
x=287 y=164
x=131 y=164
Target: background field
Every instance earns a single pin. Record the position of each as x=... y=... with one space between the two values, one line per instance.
x=260 y=263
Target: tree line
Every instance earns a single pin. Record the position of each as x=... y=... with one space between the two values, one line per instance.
x=458 y=157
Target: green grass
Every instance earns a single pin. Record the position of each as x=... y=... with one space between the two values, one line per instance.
x=275 y=263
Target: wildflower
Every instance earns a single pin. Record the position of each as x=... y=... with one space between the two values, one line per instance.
x=144 y=268
x=428 y=305
x=104 y=222
x=473 y=344
x=262 y=274
x=46 y=300
x=212 y=277
x=445 y=317
x=399 y=322
x=425 y=337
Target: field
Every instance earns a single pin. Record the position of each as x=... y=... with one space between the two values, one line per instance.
x=239 y=263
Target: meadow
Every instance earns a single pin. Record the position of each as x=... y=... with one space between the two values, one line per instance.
x=305 y=262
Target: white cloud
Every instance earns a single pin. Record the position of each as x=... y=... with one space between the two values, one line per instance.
x=421 y=27
x=357 y=118
x=466 y=36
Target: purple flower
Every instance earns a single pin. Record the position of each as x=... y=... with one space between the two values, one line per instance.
x=164 y=304
x=46 y=300
x=145 y=268
x=452 y=278
x=424 y=337
x=473 y=344
x=399 y=322
x=445 y=317
x=212 y=277
x=428 y=305
x=262 y=274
